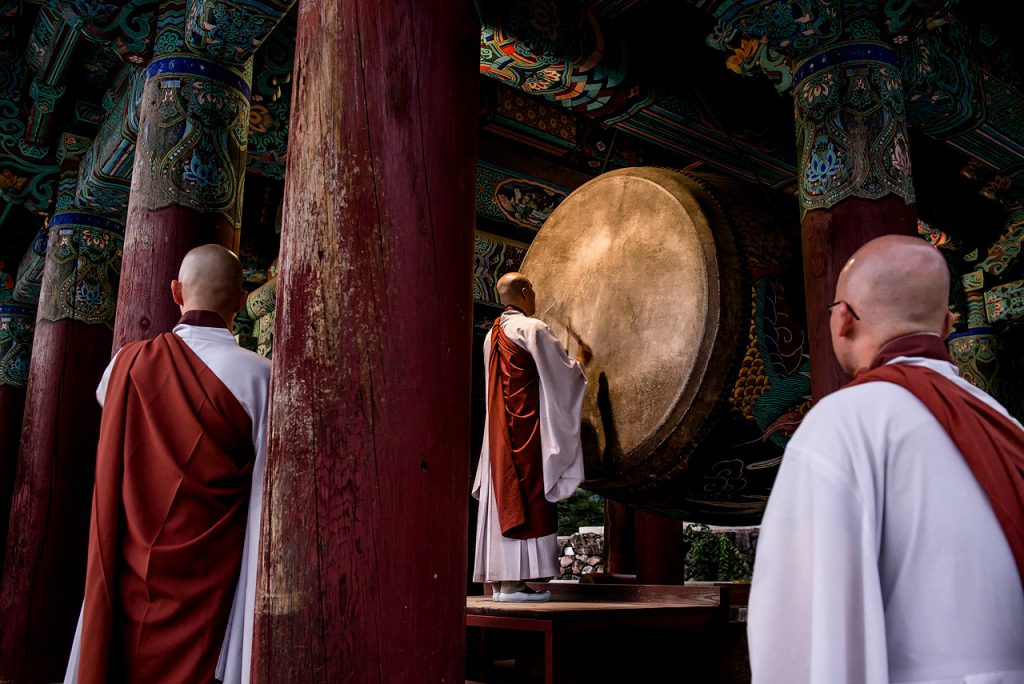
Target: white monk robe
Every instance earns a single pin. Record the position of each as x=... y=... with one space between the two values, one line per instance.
x=880 y=558
x=247 y=377
x=562 y=383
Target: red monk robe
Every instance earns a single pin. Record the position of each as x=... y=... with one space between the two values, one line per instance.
x=889 y=548
x=517 y=470
x=168 y=520
x=531 y=456
x=991 y=444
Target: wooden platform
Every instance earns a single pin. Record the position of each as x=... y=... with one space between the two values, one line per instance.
x=607 y=608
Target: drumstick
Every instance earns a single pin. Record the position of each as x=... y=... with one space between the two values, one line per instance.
x=565 y=324
x=569 y=329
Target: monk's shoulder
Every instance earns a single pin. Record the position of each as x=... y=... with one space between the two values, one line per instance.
x=251 y=361
x=225 y=350
x=527 y=325
x=129 y=351
x=873 y=410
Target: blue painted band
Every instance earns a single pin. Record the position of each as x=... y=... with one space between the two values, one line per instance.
x=177 y=65
x=17 y=310
x=74 y=218
x=844 y=53
x=971 y=332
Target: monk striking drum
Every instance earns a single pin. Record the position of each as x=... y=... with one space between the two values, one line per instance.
x=531 y=456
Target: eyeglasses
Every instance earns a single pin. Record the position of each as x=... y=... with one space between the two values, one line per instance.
x=840 y=301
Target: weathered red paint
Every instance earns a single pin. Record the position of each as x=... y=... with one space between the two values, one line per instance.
x=659 y=549
x=644 y=544
x=44 y=566
x=620 y=537
x=12 y=407
x=362 y=570
x=830 y=237
x=155 y=243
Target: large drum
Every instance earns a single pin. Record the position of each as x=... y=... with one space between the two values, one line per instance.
x=686 y=287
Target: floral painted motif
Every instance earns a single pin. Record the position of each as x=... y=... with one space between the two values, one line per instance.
x=243 y=330
x=204 y=172
x=17 y=325
x=104 y=180
x=792 y=25
x=261 y=308
x=1005 y=303
x=526 y=203
x=942 y=84
x=83 y=267
x=549 y=49
x=30 y=272
x=231 y=31
x=825 y=163
x=493 y=257
x=851 y=128
x=752 y=57
x=200 y=138
x=197 y=106
x=978 y=353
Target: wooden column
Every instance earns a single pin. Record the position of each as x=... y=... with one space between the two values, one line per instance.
x=363 y=559
x=659 y=549
x=44 y=567
x=620 y=537
x=644 y=544
x=854 y=175
x=186 y=191
x=19 y=296
x=190 y=158
x=17 y=323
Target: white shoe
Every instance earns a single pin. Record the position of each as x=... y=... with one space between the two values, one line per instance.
x=496 y=596
x=524 y=597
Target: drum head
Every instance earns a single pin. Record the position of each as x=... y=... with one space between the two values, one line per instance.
x=628 y=263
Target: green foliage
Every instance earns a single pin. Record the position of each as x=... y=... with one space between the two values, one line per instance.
x=582 y=509
x=712 y=556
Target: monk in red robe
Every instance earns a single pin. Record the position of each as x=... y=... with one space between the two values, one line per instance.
x=531 y=456
x=892 y=546
x=173 y=471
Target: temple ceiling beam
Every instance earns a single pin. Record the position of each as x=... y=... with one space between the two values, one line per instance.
x=231 y=32
x=578 y=61
x=950 y=94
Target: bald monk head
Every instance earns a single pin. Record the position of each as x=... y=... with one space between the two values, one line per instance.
x=515 y=289
x=891 y=287
x=210 y=278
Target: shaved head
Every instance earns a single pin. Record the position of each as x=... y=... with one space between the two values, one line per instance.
x=210 y=278
x=515 y=289
x=896 y=285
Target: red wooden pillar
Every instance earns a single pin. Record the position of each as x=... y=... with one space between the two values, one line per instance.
x=363 y=559
x=644 y=544
x=186 y=183
x=19 y=297
x=17 y=323
x=190 y=157
x=620 y=537
x=854 y=175
x=44 y=566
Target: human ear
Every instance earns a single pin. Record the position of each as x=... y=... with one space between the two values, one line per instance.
x=947 y=326
x=176 y=293
x=846 y=323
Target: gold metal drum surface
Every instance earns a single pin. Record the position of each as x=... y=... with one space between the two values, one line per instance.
x=653 y=269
